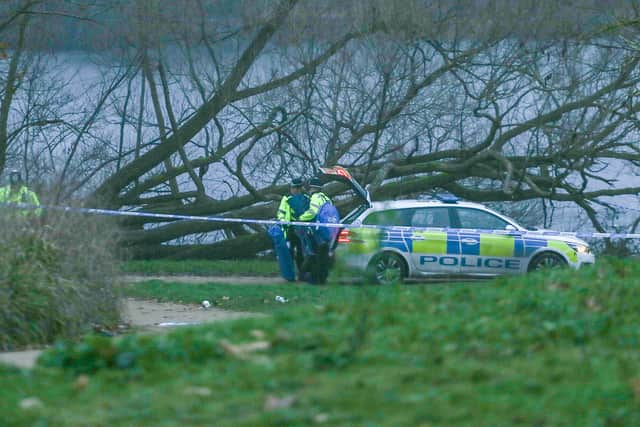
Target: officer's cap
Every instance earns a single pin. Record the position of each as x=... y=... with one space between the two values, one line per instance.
x=15 y=175
x=297 y=182
x=315 y=182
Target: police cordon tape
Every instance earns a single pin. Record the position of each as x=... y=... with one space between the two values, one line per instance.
x=140 y=214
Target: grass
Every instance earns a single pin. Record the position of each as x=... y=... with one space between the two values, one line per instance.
x=251 y=267
x=550 y=349
x=258 y=298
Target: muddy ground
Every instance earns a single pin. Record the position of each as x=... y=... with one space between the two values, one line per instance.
x=152 y=315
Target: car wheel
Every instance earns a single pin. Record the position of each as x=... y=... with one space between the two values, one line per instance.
x=388 y=268
x=546 y=260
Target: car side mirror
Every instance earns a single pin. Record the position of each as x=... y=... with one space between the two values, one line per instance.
x=510 y=227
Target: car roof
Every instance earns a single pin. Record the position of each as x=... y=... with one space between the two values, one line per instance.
x=414 y=203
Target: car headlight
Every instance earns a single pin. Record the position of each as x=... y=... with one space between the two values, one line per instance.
x=579 y=248
x=582 y=249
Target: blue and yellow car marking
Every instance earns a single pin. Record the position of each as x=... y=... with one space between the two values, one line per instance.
x=564 y=248
x=477 y=250
x=396 y=239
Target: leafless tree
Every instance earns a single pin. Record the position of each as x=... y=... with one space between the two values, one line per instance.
x=495 y=119
x=204 y=112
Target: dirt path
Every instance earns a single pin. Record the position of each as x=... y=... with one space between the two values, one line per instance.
x=148 y=316
x=151 y=315
x=229 y=280
x=21 y=359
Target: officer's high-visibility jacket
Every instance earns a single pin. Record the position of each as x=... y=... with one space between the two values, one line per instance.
x=284 y=210
x=317 y=200
x=291 y=207
x=23 y=195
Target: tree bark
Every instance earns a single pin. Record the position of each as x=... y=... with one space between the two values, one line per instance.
x=10 y=87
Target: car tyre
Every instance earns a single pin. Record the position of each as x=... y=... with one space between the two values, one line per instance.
x=546 y=260
x=388 y=268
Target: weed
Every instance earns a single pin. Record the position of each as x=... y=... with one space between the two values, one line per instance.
x=56 y=279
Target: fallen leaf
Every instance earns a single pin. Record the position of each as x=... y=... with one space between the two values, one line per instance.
x=197 y=391
x=81 y=382
x=320 y=418
x=257 y=334
x=592 y=304
x=31 y=403
x=273 y=403
x=230 y=348
x=241 y=350
x=254 y=346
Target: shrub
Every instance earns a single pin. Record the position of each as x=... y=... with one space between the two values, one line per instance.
x=56 y=277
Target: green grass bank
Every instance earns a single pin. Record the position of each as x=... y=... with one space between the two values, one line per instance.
x=549 y=349
x=250 y=267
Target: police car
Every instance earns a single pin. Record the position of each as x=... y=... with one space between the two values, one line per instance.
x=475 y=241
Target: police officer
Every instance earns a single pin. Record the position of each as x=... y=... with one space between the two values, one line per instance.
x=318 y=198
x=316 y=256
x=18 y=192
x=290 y=209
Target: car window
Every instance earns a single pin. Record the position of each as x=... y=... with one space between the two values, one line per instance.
x=430 y=217
x=398 y=217
x=475 y=218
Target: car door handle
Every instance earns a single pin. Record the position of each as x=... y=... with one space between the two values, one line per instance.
x=469 y=241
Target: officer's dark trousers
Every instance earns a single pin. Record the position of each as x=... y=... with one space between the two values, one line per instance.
x=316 y=257
x=295 y=247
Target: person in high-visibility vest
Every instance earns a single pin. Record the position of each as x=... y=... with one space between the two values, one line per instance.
x=318 y=198
x=17 y=192
x=316 y=256
x=290 y=209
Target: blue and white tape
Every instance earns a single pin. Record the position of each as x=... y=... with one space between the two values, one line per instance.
x=139 y=214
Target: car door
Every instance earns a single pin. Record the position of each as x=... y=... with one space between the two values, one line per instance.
x=389 y=238
x=487 y=253
x=434 y=252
